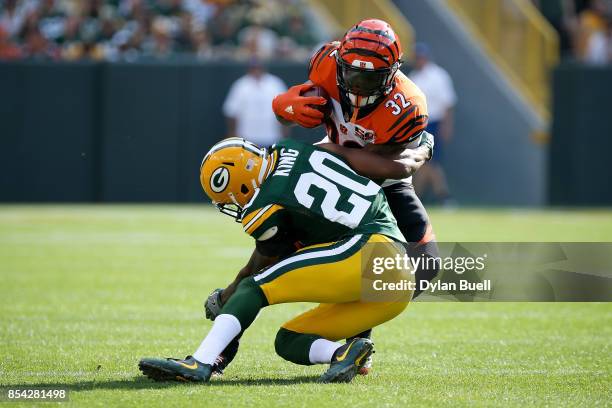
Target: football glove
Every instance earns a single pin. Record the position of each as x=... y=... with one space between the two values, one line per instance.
x=427 y=140
x=213 y=304
x=293 y=107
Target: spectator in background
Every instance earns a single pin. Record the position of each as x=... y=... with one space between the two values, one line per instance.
x=599 y=47
x=114 y=30
x=259 y=40
x=247 y=107
x=201 y=44
x=592 y=39
x=438 y=88
x=36 y=45
x=8 y=49
x=162 y=43
x=13 y=15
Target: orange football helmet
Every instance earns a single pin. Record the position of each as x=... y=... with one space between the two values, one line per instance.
x=368 y=59
x=231 y=172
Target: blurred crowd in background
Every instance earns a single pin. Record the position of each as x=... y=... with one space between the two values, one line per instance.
x=115 y=30
x=584 y=27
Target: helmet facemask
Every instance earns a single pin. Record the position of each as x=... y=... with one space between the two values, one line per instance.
x=364 y=85
x=232 y=172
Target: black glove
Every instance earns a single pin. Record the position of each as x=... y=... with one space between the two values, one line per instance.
x=213 y=304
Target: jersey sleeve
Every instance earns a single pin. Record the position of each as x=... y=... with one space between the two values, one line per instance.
x=405 y=117
x=270 y=228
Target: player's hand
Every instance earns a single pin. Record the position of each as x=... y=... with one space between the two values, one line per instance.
x=293 y=107
x=213 y=304
x=427 y=140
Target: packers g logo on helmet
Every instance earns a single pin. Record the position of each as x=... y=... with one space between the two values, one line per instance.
x=232 y=171
x=219 y=179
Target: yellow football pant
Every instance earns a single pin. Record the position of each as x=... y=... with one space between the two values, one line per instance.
x=331 y=274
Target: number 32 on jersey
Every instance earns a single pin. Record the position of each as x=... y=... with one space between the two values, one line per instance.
x=398 y=106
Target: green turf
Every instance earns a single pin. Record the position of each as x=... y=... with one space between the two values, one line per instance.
x=86 y=291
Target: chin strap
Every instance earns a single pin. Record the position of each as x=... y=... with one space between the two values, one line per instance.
x=356 y=103
x=355 y=113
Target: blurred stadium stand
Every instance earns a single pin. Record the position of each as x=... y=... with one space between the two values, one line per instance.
x=120 y=30
x=520 y=42
x=118 y=100
x=493 y=124
x=344 y=13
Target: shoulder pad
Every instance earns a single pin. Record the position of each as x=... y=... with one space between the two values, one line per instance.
x=322 y=69
x=404 y=114
x=253 y=220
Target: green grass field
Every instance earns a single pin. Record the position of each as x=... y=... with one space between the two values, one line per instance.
x=88 y=290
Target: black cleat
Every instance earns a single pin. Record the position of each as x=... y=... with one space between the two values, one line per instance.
x=367 y=367
x=172 y=369
x=348 y=360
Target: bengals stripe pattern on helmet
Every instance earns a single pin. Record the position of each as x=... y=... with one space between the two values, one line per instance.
x=372 y=38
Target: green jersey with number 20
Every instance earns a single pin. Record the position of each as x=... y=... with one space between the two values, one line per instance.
x=312 y=196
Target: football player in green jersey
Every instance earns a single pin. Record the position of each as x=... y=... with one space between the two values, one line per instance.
x=312 y=217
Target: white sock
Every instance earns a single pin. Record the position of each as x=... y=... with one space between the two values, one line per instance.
x=224 y=329
x=322 y=351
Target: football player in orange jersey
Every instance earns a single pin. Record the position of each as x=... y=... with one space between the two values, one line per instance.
x=373 y=106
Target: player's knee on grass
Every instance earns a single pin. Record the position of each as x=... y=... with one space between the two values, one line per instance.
x=293 y=346
x=246 y=302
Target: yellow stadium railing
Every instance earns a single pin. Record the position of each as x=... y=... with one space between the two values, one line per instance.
x=520 y=41
x=346 y=13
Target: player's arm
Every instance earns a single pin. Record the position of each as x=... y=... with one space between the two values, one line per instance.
x=386 y=161
x=219 y=297
x=273 y=240
x=256 y=263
